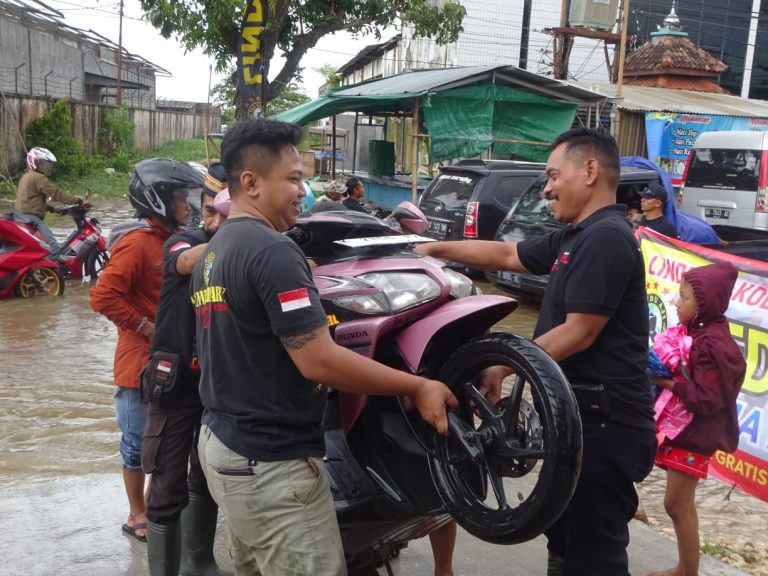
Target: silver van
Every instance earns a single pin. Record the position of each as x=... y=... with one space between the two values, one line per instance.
x=726 y=179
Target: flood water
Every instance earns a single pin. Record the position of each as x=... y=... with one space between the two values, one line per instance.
x=59 y=464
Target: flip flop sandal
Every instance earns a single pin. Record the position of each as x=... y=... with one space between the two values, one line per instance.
x=131 y=531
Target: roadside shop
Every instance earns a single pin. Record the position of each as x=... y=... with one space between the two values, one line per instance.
x=426 y=117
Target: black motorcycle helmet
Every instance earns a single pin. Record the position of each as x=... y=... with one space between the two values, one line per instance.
x=156 y=181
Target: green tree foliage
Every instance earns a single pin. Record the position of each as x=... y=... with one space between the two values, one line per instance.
x=295 y=26
x=327 y=71
x=53 y=130
x=223 y=96
x=289 y=97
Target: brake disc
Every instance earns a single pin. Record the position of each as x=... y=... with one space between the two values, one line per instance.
x=528 y=435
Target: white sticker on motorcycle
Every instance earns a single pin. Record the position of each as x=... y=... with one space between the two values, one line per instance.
x=384 y=240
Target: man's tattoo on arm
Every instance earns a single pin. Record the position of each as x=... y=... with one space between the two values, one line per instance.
x=296 y=341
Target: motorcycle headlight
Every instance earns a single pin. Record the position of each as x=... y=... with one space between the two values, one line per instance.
x=401 y=291
x=460 y=285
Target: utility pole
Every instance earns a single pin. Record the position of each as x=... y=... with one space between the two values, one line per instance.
x=620 y=77
x=119 y=94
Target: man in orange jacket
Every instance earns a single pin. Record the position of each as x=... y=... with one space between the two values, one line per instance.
x=127 y=294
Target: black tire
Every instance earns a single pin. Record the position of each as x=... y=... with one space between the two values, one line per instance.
x=94 y=262
x=545 y=434
x=42 y=281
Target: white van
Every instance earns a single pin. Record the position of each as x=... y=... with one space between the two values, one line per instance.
x=726 y=179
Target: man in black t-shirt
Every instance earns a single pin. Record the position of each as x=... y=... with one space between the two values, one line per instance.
x=594 y=322
x=169 y=451
x=353 y=195
x=652 y=202
x=266 y=354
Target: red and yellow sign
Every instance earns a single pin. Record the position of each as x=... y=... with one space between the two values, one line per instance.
x=666 y=260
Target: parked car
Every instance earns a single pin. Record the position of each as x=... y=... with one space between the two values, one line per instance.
x=470 y=198
x=531 y=217
x=726 y=179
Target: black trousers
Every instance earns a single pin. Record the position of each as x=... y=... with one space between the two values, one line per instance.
x=169 y=453
x=592 y=534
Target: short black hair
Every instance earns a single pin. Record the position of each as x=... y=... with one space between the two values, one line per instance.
x=255 y=144
x=586 y=142
x=351 y=184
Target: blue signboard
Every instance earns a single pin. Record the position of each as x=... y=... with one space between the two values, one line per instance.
x=670 y=136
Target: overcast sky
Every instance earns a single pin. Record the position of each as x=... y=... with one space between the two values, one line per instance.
x=190 y=71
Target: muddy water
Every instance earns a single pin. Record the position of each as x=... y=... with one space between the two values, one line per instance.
x=61 y=497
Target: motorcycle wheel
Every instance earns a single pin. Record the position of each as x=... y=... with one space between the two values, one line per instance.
x=43 y=281
x=491 y=450
x=94 y=262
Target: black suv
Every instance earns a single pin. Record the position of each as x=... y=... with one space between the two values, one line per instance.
x=470 y=198
x=530 y=217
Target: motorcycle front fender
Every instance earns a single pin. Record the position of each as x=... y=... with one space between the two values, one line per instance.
x=470 y=317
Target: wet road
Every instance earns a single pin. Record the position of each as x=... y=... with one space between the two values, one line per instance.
x=61 y=495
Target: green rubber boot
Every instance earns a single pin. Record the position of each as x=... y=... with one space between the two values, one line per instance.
x=163 y=549
x=198 y=530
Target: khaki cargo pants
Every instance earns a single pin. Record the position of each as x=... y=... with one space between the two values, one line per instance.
x=280 y=514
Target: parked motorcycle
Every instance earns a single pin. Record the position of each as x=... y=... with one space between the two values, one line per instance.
x=27 y=267
x=504 y=472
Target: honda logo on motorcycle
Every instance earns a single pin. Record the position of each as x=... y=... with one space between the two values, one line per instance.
x=352 y=335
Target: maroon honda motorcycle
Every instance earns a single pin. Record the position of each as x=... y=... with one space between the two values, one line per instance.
x=506 y=471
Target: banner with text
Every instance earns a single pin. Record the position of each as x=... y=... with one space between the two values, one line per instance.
x=666 y=260
x=250 y=63
x=670 y=136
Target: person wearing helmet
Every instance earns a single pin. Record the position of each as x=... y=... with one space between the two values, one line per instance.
x=35 y=188
x=174 y=538
x=127 y=293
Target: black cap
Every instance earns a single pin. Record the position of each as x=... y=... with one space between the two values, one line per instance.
x=655 y=191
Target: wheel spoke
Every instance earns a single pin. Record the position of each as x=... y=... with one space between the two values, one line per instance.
x=481 y=402
x=497 y=483
x=521 y=453
x=510 y=417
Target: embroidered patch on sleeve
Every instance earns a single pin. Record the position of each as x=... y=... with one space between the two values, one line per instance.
x=294 y=299
x=179 y=246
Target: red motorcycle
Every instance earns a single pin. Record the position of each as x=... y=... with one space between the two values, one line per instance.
x=27 y=268
x=84 y=252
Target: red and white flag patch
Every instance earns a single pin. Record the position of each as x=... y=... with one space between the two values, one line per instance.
x=179 y=246
x=294 y=299
x=164 y=366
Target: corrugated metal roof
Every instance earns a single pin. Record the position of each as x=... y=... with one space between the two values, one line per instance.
x=419 y=82
x=645 y=99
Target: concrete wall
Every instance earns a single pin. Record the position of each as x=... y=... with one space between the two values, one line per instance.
x=35 y=62
x=153 y=128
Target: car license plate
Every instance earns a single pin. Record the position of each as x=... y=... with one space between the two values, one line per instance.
x=720 y=213
x=509 y=279
x=440 y=228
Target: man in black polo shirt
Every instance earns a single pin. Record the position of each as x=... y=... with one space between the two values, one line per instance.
x=594 y=322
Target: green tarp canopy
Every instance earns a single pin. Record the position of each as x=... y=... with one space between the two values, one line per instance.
x=465 y=110
x=464 y=122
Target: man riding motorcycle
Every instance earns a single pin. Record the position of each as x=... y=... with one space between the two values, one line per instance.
x=35 y=188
